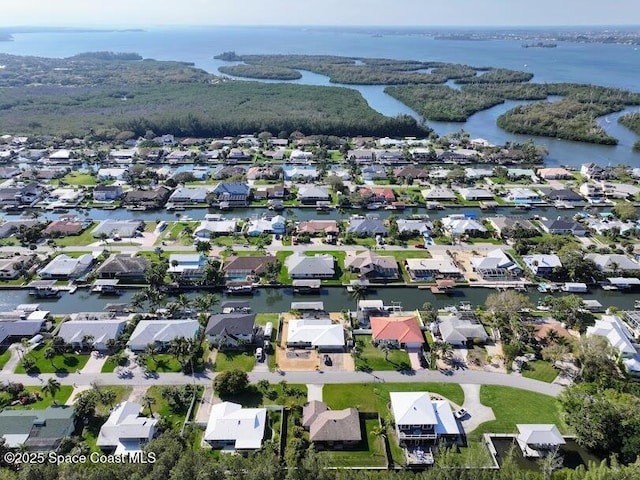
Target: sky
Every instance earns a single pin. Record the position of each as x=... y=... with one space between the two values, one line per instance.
x=149 y=13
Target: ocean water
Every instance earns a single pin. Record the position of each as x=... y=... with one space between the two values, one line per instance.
x=600 y=64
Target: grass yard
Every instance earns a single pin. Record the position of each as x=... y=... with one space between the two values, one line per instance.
x=163 y=363
x=109 y=365
x=539 y=370
x=85 y=238
x=61 y=397
x=161 y=406
x=4 y=357
x=374 y=397
x=369 y=453
x=235 y=360
x=253 y=396
x=84 y=179
x=512 y=406
x=66 y=363
x=373 y=359
x=122 y=393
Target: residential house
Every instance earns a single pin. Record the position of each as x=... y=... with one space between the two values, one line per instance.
x=411 y=173
x=361 y=155
x=505 y=226
x=300 y=265
x=593 y=171
x=560 y=226
x=369 y=226
x=317 y=227
x=461 y=329
x=523 y=195
x=214 y=225
x=371 y=173
x=400 y=332
x=15 y=266
x=107 y=193
x=613 y=263
x=224 y=172
x=14 y=326
x=231 y=330
x=458 y=225
x=124 y=266
x=20 y=195
x=321 y=334
x=9 y=227
x=331 y=429
x=264 y=173
x=300 y=156
x=438 y=193
x=372 y=266
x=471 y=194
x=617 y=333
x=542 y=265
x=189 y=195
x=99 y=329
x=390 y=157
x=562 y=195
x=161 y=333
x=496 y=265
x=429 y=269
x=231 y=427
x=126 y=431
x=232 y=194
x=240 y=268
x=66 y=226
x=593 y=192
x=187 y=265
x=384 y=196
x=472 y=173
x=310 y=194
x=621 y=191
x=64 y=267
x=410 y=227
x=149 y=199
x=37 y=430
x=258 y=226
x=301 y=173
x=421 y=421
x=539 y=440
x=554 y=173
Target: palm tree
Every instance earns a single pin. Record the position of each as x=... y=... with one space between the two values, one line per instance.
x=443 y=349
x=52 y=387
x=50 y=354
x=151 y=350
x=205 y=302
x=148 y=401
x=359 y=292
x=182 y=349
x=87 y=341
x=183 y=302
x=107 y=397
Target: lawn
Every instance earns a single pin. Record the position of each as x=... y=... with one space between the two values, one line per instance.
x=122 y=393
x=253 y=396
x=84 y=179
x=374 y=397
x=235 y=360
x=4 y=357
x=163 y=363
x=512 y=406
x=109 y=365
x=161 y=406
x=65 y=363
x=373 y=359
x=85 y=238
x=369 y=453
x=539 y=370
x=61 y=397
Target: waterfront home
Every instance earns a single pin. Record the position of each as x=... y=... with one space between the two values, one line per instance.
x=458 y=225
x=187 y=265
x=214 y=225
x=59 y=156
x=384 y=196
x=8 y=172
x=118 y=228
x=496 y=265
x=461 y=329
x=410 y=173
x=414 y=226
x=613 y=262
x=539 y=440
x=621 y=191
x=9 y=227
x=593 y=171
x=561 y=226
x=123 y=155
x=617 y=333
x=14 y=326
x=223 y=172
x=94 y=332
x=107 y=193
x=471 y=194
x=161 y=333
x=472 y=173
x=523 y=195
x=64 y=197
x=554 y=173
x=189 y=195
x=542 y=265
x=66 y=226
x=257 y=226
x=319 y=333
x=399 y=332
x=310 y=194
x=124 y=266
x=20 y=195
x=300 y=156
x=231 y=330
x=233 y=428
x=506 y=226
x=37 y=430
x=363 y=155
x=317 y=227
x=522 y=173
x=106 y=174
x=240 y=268
x=374 y=172
x=64 y=267
x=562 y=195
x=264 y=173
x=372 y=266
x=429 y=269
x=422 y=422
x=126 y=431
x=593 y=192
x=331 y=429
x=301 y=173
x=317 y=266
x=390 y=157
x=178 y=156
x=231 y=194
x=16 y=265
x=368 y=226
x=438 y=193
x=149 y=199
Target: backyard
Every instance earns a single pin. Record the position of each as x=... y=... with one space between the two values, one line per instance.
x=372 y=358
x=370 y=452
x=61 y=363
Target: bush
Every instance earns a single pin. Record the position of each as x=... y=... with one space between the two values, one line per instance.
x=230 y=383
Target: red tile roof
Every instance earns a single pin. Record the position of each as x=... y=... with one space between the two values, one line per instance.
x=402 y=329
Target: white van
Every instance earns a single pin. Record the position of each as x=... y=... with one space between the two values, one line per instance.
x=259 y=354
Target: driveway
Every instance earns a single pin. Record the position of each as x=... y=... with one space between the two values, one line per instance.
x=478 y=413
x=314 y=392
x=95 y=363
x=14 y=359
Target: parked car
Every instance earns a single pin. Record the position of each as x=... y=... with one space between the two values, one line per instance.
x=327 y=360
x=460 y=413
x=259 y=354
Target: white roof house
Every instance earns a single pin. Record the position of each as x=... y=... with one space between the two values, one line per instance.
x=161 y=332
x=231 y=426
x=459 y=225
x=220 y=226
x=612 y=327
x=125 y=430
x=64 y=266
x=321 y=333
x=541 y=264
x=100 y=329
x=411 y=409
x=475 y=193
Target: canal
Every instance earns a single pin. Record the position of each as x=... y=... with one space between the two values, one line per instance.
x=279 y=299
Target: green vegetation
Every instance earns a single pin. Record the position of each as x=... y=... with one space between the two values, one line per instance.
x=60 y=363
x=374 y=397
x=371 y=358
x=539 y=370
x=4 y=357
x=62 y=395
x=163 y=363
x=85 y=238
x=83 y=179
x=170 y=402
x=632 y=122
x=263 y=72
x=369 y=453
x=235 y=360
x=512 y=406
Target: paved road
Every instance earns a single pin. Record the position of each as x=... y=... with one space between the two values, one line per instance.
x=459 y=376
